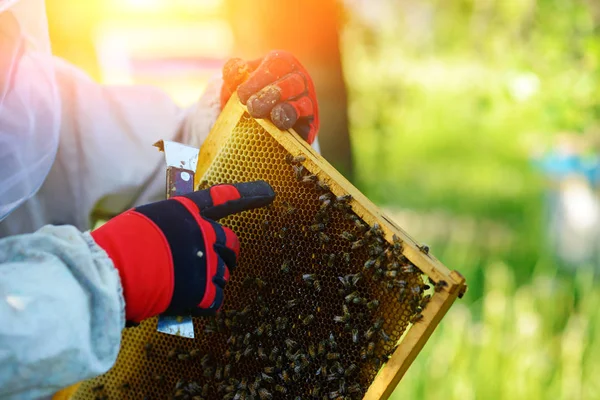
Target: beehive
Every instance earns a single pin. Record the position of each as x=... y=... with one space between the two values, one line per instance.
x=288 y=286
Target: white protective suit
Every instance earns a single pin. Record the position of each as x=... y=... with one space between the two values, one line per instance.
x=69 y=146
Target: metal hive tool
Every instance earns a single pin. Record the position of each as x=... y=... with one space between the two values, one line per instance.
x=289 y=293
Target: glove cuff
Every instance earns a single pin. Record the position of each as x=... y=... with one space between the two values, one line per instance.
x=141 y=254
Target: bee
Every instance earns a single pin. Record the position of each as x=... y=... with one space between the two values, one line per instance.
x=248 y=351
x=266 y=224
x=183 y=356
x=333 y=356
x=359 y=300
x=247 y=338
x=384 y=336
x=281 y=323
x=416 y=318
x=330 y=259
x=260 y=329
x=402 y=294
x=317 y=285
x=205 y=389
x=317 y=227
x=331 y=342
x=355 y=335
x=98 y=388
x=407 y=269
x=357 y=244
x=264 y=394
x=416 y=290
x=267 y=378
x=283 y=232
x=425 y=300
x=346 y=257
x=261 y=353
x=391 y=273
x=321 y=349
x=194 y=353
x=269 y=329
x=148 y=347
x=294 y=160
x=322 y=186
x=172 y=353
x=348 y=236
x=345 y=281
x=298 y=171
x=290 y=343
x=316 y=390
x=264 y=310
x=370 y=332
x=370 y=348
x=377 y=274
x=355 y=388
x=344 y=199
x=375 y=250
x=291 y=303
x=309 y=318
x=325 y=197
x=397 y=244
x=273 y=354
x=341 y=318
x=289 y=209
x=325 y=204
x=373 y=304
x=227 y=371
x=308 y=277
x=354 y=278
x=285 y=376
x=351 y=297
x=363 y=354
x=440 y=285
x=312 y=351
x=424 y=248
x=309 y=178
x=280 y=389
x=369 y=264
x=219 y=373
x=378 y=324
x=285 y=267
x=351 y=369
x=323 y=238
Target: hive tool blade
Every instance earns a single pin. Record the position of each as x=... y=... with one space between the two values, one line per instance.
x=181 y=167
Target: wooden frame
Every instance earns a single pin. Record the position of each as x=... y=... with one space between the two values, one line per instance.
x=418 y=334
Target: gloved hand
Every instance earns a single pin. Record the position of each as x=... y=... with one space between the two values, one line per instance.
x=276 y=86
x=172 y=256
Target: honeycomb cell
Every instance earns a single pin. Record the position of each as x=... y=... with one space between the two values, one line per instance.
x=265 y=325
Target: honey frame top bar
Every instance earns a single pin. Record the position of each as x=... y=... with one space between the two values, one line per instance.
x=416 y=335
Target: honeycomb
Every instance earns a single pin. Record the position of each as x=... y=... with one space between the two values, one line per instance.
x=319 y=301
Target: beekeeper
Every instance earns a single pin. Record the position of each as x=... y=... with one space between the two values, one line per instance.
x=70 y=147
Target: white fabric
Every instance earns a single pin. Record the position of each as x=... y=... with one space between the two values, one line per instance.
x=62 y=314
x=106 y=162
x=29 y=104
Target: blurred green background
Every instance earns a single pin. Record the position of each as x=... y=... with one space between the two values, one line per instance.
x=448 y=102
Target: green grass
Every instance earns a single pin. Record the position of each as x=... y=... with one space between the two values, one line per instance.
x=440 y=126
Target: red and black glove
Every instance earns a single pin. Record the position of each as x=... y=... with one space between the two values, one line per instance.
x=171 y=256
x=276 y=86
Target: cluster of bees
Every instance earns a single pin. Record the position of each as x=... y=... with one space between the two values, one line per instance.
x=314 y=327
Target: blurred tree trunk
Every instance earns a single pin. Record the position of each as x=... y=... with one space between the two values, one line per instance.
x=310 y=30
